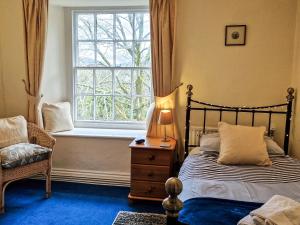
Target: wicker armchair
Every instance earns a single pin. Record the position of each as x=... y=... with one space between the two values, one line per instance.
x=35 y=136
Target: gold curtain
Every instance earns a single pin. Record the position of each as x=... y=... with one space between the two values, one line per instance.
x=35 y=22
x=162 y=17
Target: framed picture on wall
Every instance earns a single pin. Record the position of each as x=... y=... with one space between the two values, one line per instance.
x=235 y=35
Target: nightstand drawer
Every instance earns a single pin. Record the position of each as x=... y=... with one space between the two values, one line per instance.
x=148 y=189
x=150 y=173
x=151 y=157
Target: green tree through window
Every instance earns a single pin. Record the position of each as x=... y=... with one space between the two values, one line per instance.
x=112 y=60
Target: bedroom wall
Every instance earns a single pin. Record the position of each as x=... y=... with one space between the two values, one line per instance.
x=93 y=160
x=255 y=74
x=13 y=57
x=296 y=84
x=2 y=104
x=55 y=58
x=13 y=64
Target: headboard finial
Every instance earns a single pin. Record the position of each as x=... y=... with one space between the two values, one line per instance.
x=189 y=88
x=290 y=95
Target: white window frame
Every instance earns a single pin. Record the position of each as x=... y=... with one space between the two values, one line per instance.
x=133 y=125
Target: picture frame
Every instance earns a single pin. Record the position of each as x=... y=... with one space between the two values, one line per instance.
x=235 y=35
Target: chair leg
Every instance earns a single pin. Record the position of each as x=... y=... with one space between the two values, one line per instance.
x=48 y=184
x=2 y=190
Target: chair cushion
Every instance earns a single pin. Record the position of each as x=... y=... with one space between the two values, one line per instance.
x=22 y=154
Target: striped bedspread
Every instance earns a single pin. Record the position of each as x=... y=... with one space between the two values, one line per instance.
x=284 y=170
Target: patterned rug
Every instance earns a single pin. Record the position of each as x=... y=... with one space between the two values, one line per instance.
x=133 y=218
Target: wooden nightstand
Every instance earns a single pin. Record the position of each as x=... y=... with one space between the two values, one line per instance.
x=151 y=166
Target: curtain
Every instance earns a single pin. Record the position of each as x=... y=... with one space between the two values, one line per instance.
x=162 y=18
x=35 y=22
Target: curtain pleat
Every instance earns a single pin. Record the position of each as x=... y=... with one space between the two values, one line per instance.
x=35 y=27
x=163 y=20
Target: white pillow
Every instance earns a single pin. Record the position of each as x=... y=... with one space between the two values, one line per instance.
x=211 y=143
x=57 y=117
x=13 y=131
x=242 y=145
x=273 y=147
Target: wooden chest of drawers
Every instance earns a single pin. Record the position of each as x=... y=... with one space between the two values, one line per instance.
x=151 y=166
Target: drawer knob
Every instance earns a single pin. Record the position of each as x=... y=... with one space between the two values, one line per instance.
x=151 y=157
x=150 y=190
x=151 y=174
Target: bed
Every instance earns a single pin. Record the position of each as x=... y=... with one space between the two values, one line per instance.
x=223 y=194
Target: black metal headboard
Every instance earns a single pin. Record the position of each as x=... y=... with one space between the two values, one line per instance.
x=270 y=110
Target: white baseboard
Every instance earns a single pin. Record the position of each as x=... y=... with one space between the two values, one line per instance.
x=91 y=177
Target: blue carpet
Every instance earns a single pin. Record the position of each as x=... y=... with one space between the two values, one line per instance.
x=70 y=204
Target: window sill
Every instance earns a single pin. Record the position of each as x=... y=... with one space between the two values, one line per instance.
x=101 y=133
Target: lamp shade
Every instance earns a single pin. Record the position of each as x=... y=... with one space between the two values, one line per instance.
x=165 y=117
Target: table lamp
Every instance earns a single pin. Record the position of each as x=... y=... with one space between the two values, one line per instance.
x=165 y=118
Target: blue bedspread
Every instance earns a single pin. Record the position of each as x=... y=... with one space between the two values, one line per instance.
x=211 y=211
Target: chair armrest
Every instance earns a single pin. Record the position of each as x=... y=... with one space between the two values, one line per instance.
x=38 y=136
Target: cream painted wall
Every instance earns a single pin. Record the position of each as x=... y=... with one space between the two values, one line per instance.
x=13 y=64
x=98 y=154
x=2 y=104
x=13 y=57
x=55 y=84
x=296 y=84
x=258 y=73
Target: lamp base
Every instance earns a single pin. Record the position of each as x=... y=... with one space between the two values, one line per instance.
x=165 y=140
x=165 y=144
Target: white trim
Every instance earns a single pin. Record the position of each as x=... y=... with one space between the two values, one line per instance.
x=111 y=125
x=98 y=3
x=101 y=133
x=111 y=9
x=90 y=177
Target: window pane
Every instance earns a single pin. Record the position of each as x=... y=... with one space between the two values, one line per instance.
x=142 y=53
x=103 y=82
x=124 y=26
x=105 y=55
x=140 y=108
x=105 y=26
x=111 y=50
x=85 y=28
x=86 y=54
x=124 y=54
x=141 y=82
x=103 y=107
x=85 y=107
x=84 y=82
x=122 y=108
x=123 y=82
x=142 y=26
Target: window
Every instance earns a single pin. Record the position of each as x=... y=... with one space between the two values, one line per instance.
x=111 y=64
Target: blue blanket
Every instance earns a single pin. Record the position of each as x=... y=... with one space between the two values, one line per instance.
x=211 y=211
